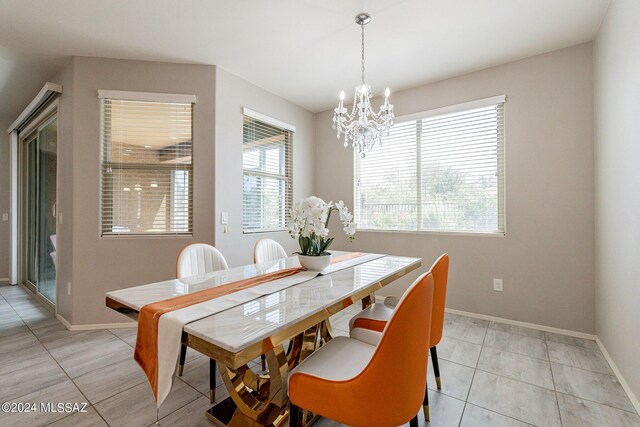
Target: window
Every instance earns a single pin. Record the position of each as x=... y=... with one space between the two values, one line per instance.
x=147 y=168
x=267 y=167
x=439 y=171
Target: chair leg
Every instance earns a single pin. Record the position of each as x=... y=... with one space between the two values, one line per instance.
x=212 y=380
x=414 y=422
x=425 y=405
x=183 y=356
x=294 y=415
x=436 y=367
x=264 y=362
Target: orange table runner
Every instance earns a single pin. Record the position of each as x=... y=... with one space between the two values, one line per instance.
x=146 y=352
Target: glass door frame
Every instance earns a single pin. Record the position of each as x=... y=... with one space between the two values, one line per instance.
x=25 y=195
x=28 y=134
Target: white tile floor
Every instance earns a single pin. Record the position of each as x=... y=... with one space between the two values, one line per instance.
x=492 y=375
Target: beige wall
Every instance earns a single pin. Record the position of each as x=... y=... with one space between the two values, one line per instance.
x=546 y=258
x=64 y=238
x=97 y=265
x=104 y=264
x=617 y=123
x=232 y=94
x=5 y=202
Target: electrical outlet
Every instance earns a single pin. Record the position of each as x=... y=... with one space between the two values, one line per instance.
x=5 y=217
x=68 y=288
x=497 y=285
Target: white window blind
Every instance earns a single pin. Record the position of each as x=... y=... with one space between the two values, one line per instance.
x=267 y=167
x=441 y=172
x=147 y=169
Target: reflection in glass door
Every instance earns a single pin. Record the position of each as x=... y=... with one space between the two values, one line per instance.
x=39 y=172
x=47 y=185
x=31 y=224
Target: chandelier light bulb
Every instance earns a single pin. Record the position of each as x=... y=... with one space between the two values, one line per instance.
x=387 y=92
x=341 y=95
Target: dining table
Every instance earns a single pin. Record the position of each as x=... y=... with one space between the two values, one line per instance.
x=285 y=326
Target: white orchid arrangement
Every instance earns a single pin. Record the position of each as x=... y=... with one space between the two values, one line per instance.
x=309 y=222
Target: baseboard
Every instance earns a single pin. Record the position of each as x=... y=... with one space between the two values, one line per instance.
x=380 y=298
x=632 y=397
x=64 y=322
x=523 y=324
x=94 y=326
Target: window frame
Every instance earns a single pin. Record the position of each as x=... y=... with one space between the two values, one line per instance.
x=288 y=167
x=502 y=205
x=147 y=97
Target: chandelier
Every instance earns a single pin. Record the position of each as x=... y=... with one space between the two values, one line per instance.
x=363 y=126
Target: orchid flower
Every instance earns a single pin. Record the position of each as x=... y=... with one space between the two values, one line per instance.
x=309 y=221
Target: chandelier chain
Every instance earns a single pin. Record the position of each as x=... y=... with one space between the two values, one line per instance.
x=362 y=68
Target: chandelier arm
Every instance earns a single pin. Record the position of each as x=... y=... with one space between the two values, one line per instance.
x=353 y=107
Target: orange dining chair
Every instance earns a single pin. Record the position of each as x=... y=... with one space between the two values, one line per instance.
x=342 y=380
x=194 y=260
x=369 y=323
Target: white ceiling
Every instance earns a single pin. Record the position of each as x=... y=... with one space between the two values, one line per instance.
x=303 y=50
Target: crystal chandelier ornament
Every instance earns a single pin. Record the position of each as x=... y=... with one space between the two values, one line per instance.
x=363 y=126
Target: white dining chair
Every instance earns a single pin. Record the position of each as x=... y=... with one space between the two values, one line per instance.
x=267 y=250
x=194 y=260
x=264 y=251
x=198 y=259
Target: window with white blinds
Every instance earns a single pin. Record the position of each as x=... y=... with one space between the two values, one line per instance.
x=268 y=169
x=147 y=167
x=440 y=171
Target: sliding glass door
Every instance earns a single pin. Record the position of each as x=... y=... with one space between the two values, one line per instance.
x=31 y=210
x=39 y=167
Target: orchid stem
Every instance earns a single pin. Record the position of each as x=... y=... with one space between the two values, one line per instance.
x=326 y=223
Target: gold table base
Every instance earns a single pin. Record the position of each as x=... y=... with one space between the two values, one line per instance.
x=261 y=400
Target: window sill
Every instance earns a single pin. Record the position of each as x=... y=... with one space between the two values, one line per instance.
x=275 y=230
x=146 y=236
x=436 y=233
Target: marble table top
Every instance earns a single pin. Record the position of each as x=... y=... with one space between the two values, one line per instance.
x=250 y=322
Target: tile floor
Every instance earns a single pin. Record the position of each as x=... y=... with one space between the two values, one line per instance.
x=492 y=375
